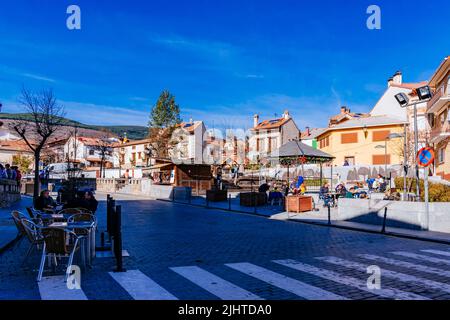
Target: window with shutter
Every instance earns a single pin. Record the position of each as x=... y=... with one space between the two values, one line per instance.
x=380 y=135
x=349 y=138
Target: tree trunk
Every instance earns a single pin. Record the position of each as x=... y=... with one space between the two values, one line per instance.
x=36 y=188
x=101 y=169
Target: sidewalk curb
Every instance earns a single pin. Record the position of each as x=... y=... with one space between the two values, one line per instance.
x=221 y=209
x=390 y=234
x=10 y=244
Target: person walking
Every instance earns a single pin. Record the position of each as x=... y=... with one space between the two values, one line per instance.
x=18 y=175
x=10 y=173
x=3 y=174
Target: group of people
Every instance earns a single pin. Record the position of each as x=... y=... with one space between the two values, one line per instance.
x=379 y=184
x=341 y=191
x=85 y=201
x=10 y=172
x=276 y=191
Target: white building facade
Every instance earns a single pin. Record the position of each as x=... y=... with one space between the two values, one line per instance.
x=190 y=143
x=388 y=106
x=88 y=151
x=269 y=135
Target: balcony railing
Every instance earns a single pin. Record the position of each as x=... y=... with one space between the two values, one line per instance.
x=440 y=131
x=442 y=92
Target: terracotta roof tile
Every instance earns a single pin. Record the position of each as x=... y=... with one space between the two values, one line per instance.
x=410 y=85
x=14 y=145
x=271 y=124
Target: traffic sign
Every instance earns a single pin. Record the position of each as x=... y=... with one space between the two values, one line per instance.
x=425 y=157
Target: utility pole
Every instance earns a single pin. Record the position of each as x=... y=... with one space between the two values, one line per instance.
x=405 y=162
x=416 y=150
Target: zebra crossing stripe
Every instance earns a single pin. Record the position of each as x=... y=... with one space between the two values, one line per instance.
x=438 y=252
x=388 y=273
x=421 y=257
x=294 y=286
x=404 y=264
x=217 y=286
x=55 y=288
x=141 y=287
x=391 y=293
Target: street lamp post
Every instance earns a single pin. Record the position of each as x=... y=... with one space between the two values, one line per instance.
x=424 y=94
x=405 y=162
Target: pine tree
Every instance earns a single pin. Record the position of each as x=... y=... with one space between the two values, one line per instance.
x=165 y=113
x=164 y=117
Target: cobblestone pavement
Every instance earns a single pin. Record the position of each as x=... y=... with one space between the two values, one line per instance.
x=183 y=252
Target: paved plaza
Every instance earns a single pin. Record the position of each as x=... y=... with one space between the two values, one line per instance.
x=183 y=252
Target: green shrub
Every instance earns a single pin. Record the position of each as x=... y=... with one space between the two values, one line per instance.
x=437 y=192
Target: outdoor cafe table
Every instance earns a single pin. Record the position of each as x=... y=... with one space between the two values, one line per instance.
x=51 y=217
x=89 y=226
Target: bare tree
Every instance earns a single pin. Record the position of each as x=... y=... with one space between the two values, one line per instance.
x=105 y=148
x=161 y=142
x=46 y=116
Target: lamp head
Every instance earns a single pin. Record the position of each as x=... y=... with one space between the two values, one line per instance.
x=424 y=93
x=402 y=99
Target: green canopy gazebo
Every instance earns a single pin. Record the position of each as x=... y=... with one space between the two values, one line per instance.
x=296 y=153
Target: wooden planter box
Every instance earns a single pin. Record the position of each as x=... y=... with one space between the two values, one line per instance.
x=217 y=195
x=299 y=204
x=248 y=199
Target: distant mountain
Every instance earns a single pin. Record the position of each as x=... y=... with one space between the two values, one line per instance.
x=133 y=132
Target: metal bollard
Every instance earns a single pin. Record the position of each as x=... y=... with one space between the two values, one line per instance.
x=108 y=216
x=383 y=230
x=111 y=220
x=329 y=214
x=102 y=239
x=229 y=202
x=118 y=240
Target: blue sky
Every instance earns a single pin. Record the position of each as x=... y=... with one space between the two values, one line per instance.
x=224 y=60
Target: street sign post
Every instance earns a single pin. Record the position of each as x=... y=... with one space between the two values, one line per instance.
x=425 y=158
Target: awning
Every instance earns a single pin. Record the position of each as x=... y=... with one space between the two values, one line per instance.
x=161 y=166
x=296 y=150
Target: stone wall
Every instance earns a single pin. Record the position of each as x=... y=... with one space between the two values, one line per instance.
x=143 y=187
x=399 y=214
x=9 y=193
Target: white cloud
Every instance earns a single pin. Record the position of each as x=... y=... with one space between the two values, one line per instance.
x=37 y=77
x=90 y=113
x=141 y=99
x=306 y=111
x=206 y=48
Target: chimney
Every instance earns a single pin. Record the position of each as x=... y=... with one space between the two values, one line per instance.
x=286 y=115
x=255 y=120
x=344 y=110
x=308 y=131
x=398 y=78
x=390 y=81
